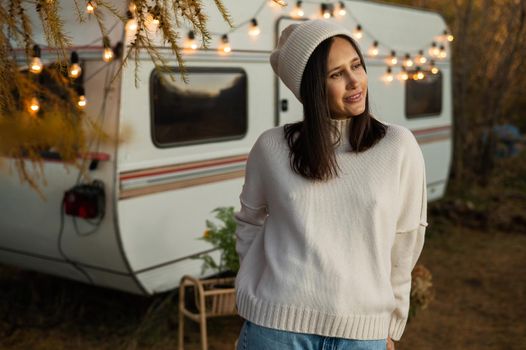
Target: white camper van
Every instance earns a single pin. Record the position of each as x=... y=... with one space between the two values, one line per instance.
x=189 y=143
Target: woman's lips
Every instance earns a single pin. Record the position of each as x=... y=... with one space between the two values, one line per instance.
x=353 y=98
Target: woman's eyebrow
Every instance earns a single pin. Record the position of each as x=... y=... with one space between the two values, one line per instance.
x=354 y=59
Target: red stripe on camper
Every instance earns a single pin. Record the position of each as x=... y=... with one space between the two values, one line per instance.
x=135 y=174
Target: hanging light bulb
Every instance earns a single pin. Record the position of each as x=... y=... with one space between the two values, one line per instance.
x=107 y=54
x=392 y=60
x=341 y=9
x=34 y=106
x=225 y=45
x=131 y=24
x=82 y=101
x=297 y=12
x=433 y=68
x=74 y=70
x=35 y=66
x=418 y=74
x=447 y=36
x=152 y=19
x=373 y=50
x=442 y=52
x=433 y=50
x=190 y=42
x=254 y=29
x=420 y=58
x=407 y=62
x=402 y=76
x=357 y=32
x=325 y=11
x=132 y=7
x=388 y=75
x=91 y=6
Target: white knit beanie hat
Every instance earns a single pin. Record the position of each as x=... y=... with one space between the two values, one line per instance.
x=296 y=43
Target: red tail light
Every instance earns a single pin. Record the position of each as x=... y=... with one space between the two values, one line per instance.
x=85 y=201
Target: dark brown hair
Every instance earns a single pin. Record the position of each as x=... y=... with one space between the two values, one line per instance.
x=310 y=141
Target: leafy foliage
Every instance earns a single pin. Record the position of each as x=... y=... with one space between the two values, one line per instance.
x=222 y=237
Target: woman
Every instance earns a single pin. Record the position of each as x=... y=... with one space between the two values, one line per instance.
x=333 y=209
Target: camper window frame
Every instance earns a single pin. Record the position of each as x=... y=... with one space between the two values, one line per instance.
x=423 y=115
x=190 y=70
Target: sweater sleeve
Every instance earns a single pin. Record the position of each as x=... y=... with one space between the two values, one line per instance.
x=251 y=217
x=409 y=237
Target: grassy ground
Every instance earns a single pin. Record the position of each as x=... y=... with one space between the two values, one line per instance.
x=475 y=249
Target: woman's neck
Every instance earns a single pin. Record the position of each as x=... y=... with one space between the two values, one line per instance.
x=342 y=136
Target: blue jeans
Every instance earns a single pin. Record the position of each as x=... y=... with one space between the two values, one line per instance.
x=254 y=337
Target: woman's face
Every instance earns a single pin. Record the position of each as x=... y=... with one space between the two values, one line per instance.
x=346 y=80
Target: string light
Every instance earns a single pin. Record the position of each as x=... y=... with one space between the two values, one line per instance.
x=373 y=50
x=90 y=7
x=420 y=58
x=442 y=52
x=190 y=41
x=34 y=106
x=388 y=75
x=325 y=12
x=418 y=75
x=74 y=70
x=433 y=50
x=36 y=64
x=402 y=76
x=254 y=29
x=107 y=54
x=434 y=69
x=131 y=24
x=225 y=45
x=82 y=101
x=357 y=32
x=298 y=11
x=408 y=62
x=341 y=9
x=392 y=60
x=448 y=36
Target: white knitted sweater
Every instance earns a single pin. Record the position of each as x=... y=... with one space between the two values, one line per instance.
x=332 y=258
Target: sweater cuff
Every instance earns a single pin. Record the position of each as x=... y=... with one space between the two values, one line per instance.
x=396 y=327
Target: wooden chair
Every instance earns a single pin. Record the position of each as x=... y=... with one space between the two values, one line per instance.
x=213 y=298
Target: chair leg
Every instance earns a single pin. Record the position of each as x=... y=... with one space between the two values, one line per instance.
x=181 y=318
x=204 y=338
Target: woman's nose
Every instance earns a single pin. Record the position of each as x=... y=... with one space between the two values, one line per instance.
x=352 y=80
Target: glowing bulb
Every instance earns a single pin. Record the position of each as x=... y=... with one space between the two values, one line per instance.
x=447 y=36
x=433 y=50
x=36 y=65
x=420 y=58
x=91 y=6
x=373 y=50
x=450 y=37
x=325 y=11
x=74 y=71
x=392 y=60
x=131 y=24
x=357 y=32
x=152 y=23
x=442 y=52
x=341 y=9
x=34 y=105
x=408 y=62
x=82 y=101
x=418 y=75
x=298 y=11
x=402 y=76
x=388 y=76
x=254 y=29
x=225 y=45
x=107 y=54
x=190 y=42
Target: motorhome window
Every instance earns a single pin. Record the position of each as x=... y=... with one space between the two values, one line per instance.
x=211 y=107
x=423 y=97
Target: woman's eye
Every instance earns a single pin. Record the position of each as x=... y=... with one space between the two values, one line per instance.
x=356 y=66
x=336 y=75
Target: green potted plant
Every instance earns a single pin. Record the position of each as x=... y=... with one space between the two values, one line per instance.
x=222 y=236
